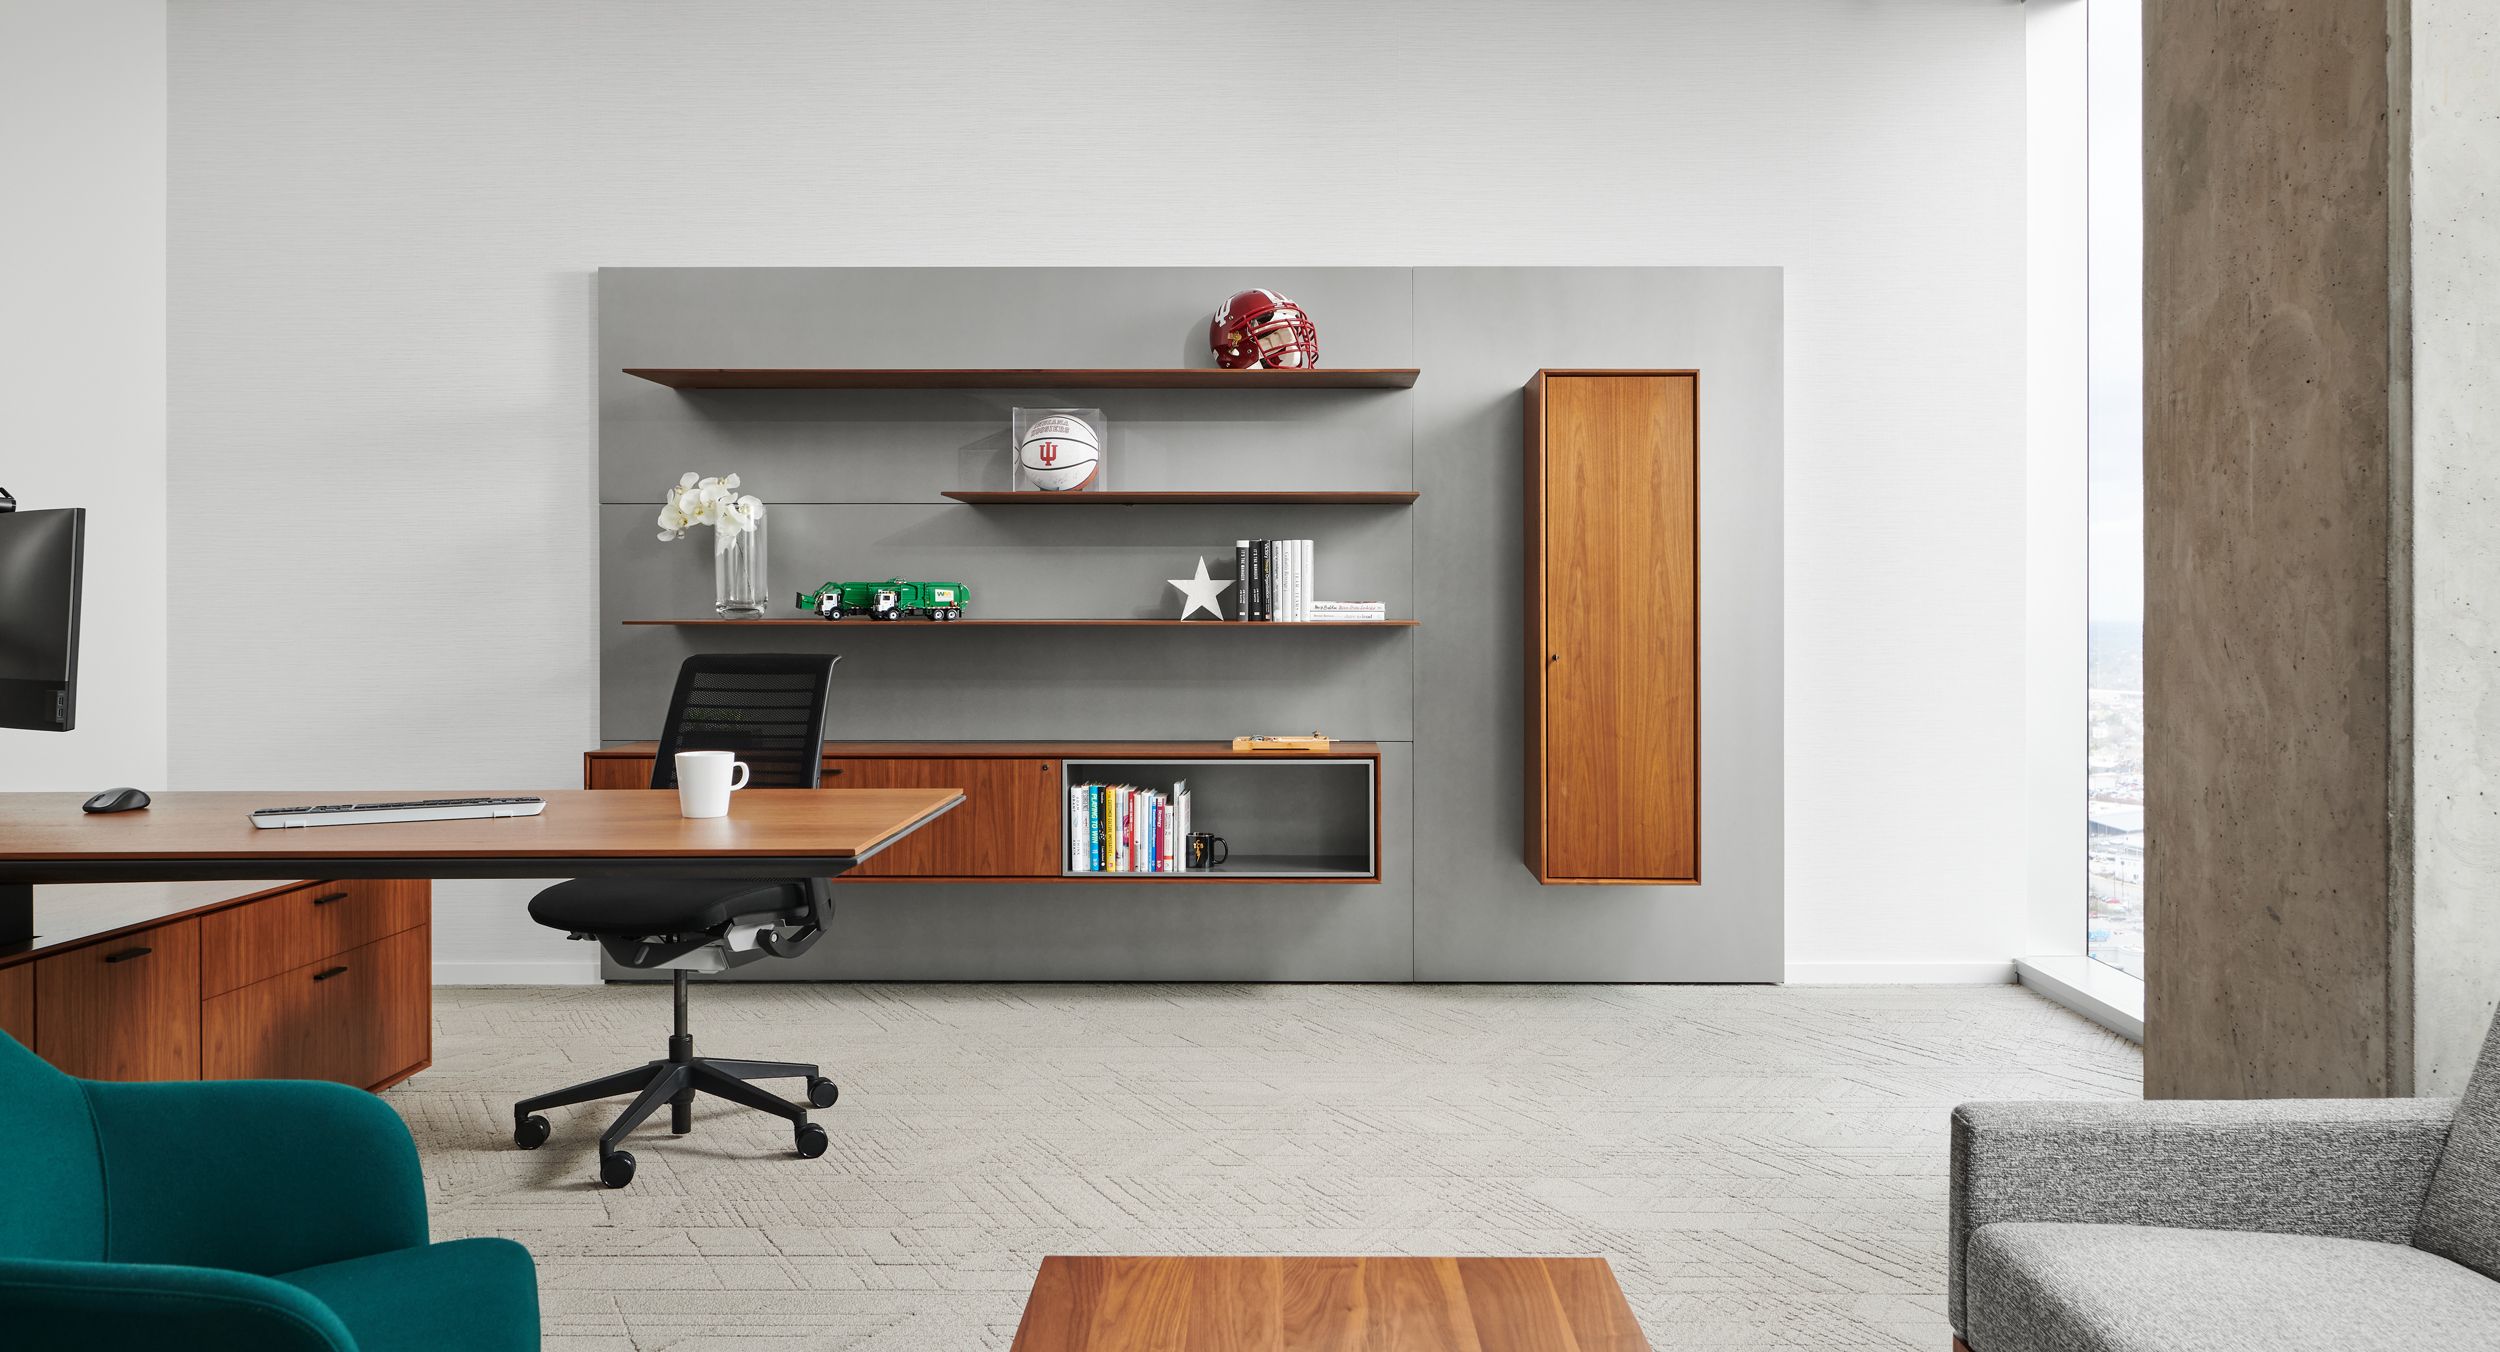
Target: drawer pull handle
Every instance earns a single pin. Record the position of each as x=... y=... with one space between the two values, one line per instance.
x=324 y=976
x=128 y=953
x=334 y=896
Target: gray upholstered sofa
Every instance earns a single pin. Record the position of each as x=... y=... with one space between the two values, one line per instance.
x=2348 y=1224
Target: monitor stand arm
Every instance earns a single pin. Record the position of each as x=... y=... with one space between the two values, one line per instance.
x=17 y=914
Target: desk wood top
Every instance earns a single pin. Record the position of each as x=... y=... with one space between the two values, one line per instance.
x=45 y=838
x=1327 y=1305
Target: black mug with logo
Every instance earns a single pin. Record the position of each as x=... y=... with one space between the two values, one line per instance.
x=1206 y=849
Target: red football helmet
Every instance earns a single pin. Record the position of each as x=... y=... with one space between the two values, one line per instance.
x=1260 y=328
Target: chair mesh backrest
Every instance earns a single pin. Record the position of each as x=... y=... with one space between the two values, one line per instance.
x=768 y=708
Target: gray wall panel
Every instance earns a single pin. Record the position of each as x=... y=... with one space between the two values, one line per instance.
x=1444 y=698
x=1479 y=914
x=872 y=446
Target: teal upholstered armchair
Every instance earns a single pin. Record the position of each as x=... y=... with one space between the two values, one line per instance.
x=273 y=1216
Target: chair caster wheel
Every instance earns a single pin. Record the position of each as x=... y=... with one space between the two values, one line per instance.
x=530 y=1132
x=617 y=1170
x=822 y=1092
x=811 y=1140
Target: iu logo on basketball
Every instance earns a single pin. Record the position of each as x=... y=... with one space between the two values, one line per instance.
x=1050 y=453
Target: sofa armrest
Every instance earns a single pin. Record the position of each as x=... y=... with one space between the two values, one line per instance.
x=259 y=1176
x=51 y=1306
x=2352 y=1168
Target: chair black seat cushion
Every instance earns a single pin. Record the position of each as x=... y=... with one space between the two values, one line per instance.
x=635 y=907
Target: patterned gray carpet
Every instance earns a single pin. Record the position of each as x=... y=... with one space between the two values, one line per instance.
x=1763 y=1166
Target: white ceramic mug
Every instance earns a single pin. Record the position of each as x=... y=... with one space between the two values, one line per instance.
x=705 y=779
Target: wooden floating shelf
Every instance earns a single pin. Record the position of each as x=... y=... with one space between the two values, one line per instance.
x=848 y=625
x=1026 y=378
x=1243 y=496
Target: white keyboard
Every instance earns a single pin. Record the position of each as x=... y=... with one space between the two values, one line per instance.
x=422 y=810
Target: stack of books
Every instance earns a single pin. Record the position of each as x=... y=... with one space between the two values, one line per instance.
x=1276 y=582
x=1120 y=828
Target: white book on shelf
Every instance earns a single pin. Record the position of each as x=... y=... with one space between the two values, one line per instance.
x=1077 y=847
x=1310 y=576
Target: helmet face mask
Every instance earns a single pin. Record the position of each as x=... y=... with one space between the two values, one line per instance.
x=1261 y=328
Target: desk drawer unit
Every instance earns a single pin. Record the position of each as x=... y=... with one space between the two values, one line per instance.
x=124 y=1009
x=355 y=1017
x=260 y=939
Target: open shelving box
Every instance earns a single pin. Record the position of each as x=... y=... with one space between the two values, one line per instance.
x=1284 y=818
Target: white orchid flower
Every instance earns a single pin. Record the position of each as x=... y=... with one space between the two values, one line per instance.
x=714 y=502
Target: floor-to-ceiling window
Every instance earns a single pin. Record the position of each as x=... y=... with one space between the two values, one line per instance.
x=2114 y=846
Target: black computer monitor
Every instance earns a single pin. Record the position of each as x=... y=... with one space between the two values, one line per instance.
x=41 y=557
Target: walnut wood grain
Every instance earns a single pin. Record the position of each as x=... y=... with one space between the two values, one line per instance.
x=124 y=1009
x=17 y=1003
x=1007 y=827
x=244 y=944
x=1025 y=378
x=358 y=1017
x=579 y=827
x=1615 y=570
x=1131 y=1304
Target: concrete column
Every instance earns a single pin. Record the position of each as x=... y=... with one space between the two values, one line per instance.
x=2454 y=189
x=2322 y=480
x=2272 y=967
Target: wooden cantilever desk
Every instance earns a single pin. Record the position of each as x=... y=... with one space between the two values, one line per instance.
x=769 y=833
x=328 y=979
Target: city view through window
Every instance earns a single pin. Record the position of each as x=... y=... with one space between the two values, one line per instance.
x=2114 y=645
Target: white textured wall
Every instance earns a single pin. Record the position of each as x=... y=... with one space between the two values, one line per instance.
x=2455 y=177
x=82 y=338
x=385 y=216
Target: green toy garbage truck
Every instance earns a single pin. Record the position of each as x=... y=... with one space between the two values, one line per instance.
x=891 y=599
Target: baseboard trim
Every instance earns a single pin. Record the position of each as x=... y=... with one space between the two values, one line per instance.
x=1901 y=973
x=578 y=972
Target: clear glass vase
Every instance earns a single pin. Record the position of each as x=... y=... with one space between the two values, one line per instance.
x=738 y=583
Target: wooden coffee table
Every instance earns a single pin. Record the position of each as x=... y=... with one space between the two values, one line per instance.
x=1327 y=1305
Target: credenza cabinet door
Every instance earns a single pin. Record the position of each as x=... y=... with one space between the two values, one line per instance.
x=124 y=1009
x=1007 y=827
x=1613 y=604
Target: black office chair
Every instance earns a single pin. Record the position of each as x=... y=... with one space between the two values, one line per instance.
x=769 y=709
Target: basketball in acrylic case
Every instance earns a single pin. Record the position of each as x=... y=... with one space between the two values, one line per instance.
x=1059 y=449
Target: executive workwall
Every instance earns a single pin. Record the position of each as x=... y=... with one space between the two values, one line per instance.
x=854 y=477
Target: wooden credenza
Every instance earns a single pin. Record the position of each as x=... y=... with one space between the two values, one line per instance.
x=313 y=980
x=1013 y=823
x=1613 y=699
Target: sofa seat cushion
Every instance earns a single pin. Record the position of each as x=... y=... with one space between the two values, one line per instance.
x=2054 y=1287
x=476 y=1295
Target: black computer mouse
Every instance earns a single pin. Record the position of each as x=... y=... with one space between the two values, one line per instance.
x=117 y=800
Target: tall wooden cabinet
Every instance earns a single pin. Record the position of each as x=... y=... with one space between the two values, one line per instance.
x=1613 y=712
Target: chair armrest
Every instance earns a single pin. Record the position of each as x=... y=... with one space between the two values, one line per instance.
x=133 y=1307
x=262 y=1176
x=2352 y=1168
